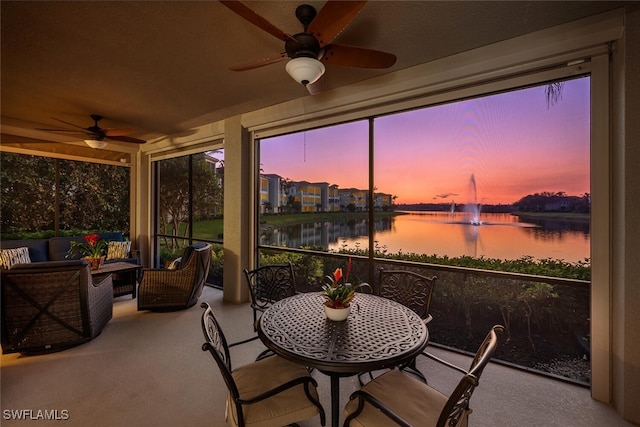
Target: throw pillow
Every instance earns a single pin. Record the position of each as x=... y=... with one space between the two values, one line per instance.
x=9 y=257
x=174 y=264
x=118 y=250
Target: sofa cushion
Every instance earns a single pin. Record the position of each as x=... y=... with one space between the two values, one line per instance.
x=115 y=236
x=49 y=265
x=59 y=248
x=118 y=250
x=38 y=248
x=10 y=257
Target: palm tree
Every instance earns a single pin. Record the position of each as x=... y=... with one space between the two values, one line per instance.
x=553 y=91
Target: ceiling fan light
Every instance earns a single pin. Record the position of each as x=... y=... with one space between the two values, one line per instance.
x=94 y=143
x=305 y=70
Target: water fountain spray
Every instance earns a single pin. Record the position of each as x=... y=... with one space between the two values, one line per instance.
x=472 y=208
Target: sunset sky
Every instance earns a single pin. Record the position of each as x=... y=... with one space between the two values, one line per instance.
x=512 y=143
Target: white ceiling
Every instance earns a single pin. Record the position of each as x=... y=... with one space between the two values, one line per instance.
x=162 y=67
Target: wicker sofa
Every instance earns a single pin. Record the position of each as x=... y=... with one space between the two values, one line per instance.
x=51 y=306
x=57 y=248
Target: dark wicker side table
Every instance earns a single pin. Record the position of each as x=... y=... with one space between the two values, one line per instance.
x=125 y=280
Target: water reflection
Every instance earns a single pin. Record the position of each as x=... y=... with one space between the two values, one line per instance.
x=500 y=236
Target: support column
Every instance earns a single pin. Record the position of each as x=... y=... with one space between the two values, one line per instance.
x=237 y=203
x=626 y=227
x=141 y=199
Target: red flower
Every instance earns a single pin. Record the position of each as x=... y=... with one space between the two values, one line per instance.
x=337 y=275
x=92 y=247
x=339 y=294
x=92 y=239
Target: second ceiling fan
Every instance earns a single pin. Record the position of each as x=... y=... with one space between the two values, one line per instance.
x=310 y=49
x=95 y=135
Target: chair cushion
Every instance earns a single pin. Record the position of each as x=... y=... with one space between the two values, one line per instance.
x=118 y=250
x=9 y=257
x=59 y=248
x=413 y=400
x=285 y=408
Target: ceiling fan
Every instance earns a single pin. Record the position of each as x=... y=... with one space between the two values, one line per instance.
x=96 y=135
x=310 y=49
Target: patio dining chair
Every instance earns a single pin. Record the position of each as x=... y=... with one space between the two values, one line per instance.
x=397 y=397
x=412 y=290
x=269 y=392
x=267 y=285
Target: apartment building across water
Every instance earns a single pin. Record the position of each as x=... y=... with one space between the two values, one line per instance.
x=279 y=195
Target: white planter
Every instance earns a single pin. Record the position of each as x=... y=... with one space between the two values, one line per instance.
x=337 y=314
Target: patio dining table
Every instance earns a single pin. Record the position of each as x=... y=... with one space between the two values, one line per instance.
x=379 y=333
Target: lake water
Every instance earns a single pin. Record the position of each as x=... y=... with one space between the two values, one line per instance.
x=499 y=236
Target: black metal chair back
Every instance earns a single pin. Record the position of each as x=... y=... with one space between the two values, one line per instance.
x=457 y=405
x=216 y=344
x=409 y=289
x=412 y=290
x=268 y=284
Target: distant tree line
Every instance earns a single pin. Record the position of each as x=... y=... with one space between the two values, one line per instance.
x=446 y=207
x=538 y=202
x=554 y=202
x=44 y=197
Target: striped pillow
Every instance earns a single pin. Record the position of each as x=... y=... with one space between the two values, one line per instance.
x=118 y=250
x=9 y=257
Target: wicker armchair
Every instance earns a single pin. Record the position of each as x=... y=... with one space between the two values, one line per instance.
x=163 y=289
x=51 y=306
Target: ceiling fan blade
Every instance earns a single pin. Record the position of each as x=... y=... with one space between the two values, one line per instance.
x=117 y=132
x=360 y=57
x=260 y=62
x=70 y=124
x=334 y=17
x=256 y=19
x=75 y=132
x=96 y=132
x=126 y=139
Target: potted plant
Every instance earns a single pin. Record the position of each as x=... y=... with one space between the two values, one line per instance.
x=92 y=250
x=338 y=294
